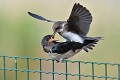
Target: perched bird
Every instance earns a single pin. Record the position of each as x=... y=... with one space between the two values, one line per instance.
x=62 y=50
x=76 y=28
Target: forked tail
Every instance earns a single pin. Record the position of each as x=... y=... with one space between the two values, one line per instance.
x=90 y=42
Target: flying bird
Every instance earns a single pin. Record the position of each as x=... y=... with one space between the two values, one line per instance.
x=62 y=50
x=76 y=28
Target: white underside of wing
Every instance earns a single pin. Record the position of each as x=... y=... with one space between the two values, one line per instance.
x=72 y=37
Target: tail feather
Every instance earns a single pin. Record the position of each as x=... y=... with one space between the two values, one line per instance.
x=90 y=43
x=89 y=47
x=85 y=49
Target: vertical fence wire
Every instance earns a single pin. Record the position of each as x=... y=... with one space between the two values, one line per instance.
x=105 y=71
x=79 y=70
x=40 y=69
x=53 y=70
x=92 y=71
x=4 y=63
x=16 y=68
x=66 y=64
x=27 y=68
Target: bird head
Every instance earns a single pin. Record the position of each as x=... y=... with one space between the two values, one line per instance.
x=47 y=40
x=59 y=27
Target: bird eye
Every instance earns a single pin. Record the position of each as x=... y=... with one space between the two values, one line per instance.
x=66 y=24
x=57 y=28
x=47 y=38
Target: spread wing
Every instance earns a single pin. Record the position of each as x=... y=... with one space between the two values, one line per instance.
x=39 y=17
x=79 y=20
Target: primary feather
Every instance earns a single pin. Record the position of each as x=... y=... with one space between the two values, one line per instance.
x=39 y=17
x=79 y=20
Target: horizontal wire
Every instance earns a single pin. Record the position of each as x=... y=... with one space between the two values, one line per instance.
x=59 y=73
x=48 y=59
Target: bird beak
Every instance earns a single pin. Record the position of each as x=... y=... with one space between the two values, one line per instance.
x=53 y=34
x=52 y=39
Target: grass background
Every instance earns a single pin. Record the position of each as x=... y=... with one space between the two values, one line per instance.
x=20 y=34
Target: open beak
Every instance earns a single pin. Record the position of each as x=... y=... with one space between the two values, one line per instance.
x=52 y=39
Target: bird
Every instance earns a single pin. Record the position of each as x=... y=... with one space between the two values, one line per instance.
x=62 y=50
x=76 y=28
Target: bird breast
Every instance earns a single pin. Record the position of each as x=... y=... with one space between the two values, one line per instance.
x=72 y=37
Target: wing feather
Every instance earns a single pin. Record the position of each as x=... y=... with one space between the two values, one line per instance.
x=79 y=20
x=39 y=17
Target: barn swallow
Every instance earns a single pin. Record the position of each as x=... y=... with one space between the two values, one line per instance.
x=76 y=28
x=62 y=50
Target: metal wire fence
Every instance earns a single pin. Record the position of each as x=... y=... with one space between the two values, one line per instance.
x=29 y=68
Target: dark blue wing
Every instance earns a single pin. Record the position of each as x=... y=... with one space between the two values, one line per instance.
x=64 y=47
x=39 y=17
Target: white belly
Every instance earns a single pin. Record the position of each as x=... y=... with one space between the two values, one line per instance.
x=72 y=37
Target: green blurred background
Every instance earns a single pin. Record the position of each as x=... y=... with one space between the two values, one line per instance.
x=20 y=34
